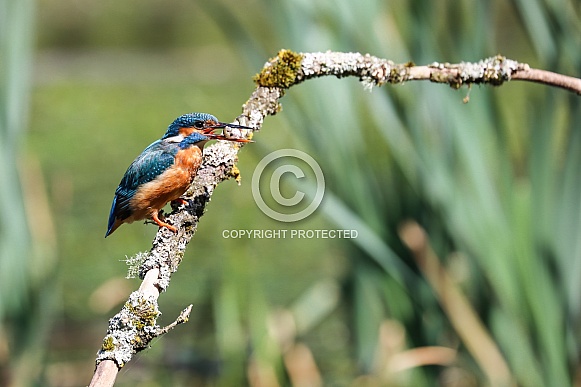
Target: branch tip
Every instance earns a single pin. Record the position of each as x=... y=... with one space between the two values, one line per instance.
x=184 y=317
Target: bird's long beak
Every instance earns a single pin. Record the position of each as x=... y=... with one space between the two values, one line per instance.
x=221 y=125
x=209 y=132
x=213 y=136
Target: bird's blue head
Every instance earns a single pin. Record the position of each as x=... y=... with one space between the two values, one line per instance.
x=203 y=123
x=186 y=124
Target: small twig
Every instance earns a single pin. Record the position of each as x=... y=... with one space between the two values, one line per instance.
x=182 y=318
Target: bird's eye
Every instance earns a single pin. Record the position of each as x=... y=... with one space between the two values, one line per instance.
x=199 y=124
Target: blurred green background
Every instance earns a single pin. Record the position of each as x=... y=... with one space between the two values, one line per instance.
x=495 y=183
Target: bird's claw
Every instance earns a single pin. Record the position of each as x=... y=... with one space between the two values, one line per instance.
x=161 y=223
x=180 y=202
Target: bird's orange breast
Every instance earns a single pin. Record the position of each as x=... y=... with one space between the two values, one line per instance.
x=189 y=159
x=168 y=186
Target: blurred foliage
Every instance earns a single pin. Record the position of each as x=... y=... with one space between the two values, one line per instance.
x=27 y=255
x=495 y=184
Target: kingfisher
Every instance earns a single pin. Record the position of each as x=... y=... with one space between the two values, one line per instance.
x=163 y=172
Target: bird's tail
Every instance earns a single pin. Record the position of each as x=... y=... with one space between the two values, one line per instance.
x=113 y=223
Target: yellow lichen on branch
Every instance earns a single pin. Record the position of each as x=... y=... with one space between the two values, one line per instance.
x=280 y=71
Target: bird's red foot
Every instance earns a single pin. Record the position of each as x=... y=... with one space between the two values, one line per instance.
x=163 y=224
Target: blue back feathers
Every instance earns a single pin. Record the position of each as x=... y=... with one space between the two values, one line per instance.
x=187 y=121
x=152 y=162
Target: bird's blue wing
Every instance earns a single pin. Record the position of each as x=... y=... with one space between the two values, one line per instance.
x=152 y=162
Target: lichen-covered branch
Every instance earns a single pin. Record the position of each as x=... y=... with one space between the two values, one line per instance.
x=289 y=68
x=133 y=328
